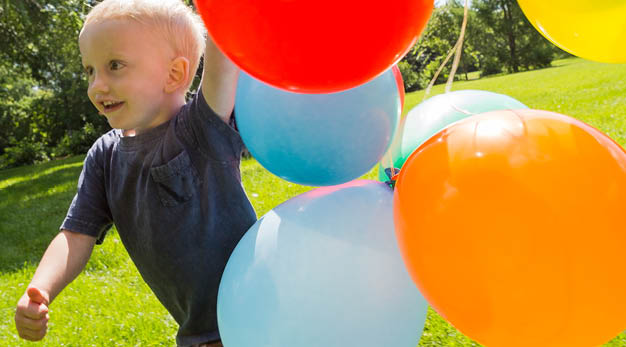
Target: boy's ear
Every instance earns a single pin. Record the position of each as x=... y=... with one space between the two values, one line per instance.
x=178 y=74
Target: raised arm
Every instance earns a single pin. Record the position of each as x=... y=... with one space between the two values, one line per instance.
x=64 y=259
x=219 y=81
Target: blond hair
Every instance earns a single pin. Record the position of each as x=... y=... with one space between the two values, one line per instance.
x=174 y=21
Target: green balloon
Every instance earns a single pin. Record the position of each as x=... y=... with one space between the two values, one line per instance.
x=435 y=114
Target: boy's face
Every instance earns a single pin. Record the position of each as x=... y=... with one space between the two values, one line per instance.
x=127 y=69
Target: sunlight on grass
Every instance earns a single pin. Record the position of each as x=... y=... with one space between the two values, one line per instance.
x=17 y=179
x=48 y=192
x=592 y=92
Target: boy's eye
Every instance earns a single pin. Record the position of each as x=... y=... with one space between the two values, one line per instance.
x=115 y=65
x=88 y=71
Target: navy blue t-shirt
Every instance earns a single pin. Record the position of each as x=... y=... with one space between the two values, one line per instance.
x=175 y=195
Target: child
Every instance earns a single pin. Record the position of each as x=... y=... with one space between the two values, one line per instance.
x=168 y=174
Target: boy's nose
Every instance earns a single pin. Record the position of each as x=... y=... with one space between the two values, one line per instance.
x=99 y=85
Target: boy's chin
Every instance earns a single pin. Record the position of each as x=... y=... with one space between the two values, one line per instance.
x=124 y=127
x=116 y=124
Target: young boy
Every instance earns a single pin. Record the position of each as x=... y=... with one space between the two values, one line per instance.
x=168 y=174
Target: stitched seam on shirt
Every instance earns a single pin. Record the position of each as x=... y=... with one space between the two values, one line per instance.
x=213 y=120
x=84 y=227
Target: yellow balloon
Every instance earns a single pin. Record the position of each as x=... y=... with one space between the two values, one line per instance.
x=590 y=29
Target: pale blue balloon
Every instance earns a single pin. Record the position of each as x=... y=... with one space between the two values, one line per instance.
x=318 y=139
x=322 y=269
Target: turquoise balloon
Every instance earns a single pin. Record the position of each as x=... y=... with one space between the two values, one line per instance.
x=437 y=112
x=318 y=139
x=322 y=269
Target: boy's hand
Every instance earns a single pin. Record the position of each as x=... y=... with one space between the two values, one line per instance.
x=31 y=316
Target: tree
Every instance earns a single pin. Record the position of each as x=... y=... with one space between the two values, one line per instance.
x=498 y=38
x=439 y=37
x=40 y=46
x=509 y=38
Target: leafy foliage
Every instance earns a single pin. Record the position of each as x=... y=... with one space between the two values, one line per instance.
x=42 y=88
x=498 y=38
x=440 y=35
x=509 y=37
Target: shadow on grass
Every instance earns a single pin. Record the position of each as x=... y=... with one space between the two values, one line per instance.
x=32 y=209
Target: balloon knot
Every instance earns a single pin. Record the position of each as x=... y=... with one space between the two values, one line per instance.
x=392 y=173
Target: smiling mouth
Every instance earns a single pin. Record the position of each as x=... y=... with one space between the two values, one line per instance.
x=112 y=107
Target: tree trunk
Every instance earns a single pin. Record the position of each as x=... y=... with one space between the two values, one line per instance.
x=508 y=17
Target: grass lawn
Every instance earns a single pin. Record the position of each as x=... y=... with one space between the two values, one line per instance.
x=109 y=305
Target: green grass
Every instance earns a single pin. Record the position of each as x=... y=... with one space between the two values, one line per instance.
x=109 y=304
x=592 y=92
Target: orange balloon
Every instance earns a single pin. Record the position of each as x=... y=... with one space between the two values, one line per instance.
x=512 y=224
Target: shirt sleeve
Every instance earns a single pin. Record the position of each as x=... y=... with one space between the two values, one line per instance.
x=89 y=211
x=203 y=129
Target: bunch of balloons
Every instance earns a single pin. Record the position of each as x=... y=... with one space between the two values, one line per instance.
x=508 y=220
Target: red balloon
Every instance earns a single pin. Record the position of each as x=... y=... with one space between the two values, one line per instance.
x=400 y=82
x=319 y=46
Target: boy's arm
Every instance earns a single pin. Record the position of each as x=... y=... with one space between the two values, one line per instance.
x=64 y=259
x=219 y=81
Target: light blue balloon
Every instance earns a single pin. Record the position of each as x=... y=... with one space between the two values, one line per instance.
x=318 y=139
x=322 y=269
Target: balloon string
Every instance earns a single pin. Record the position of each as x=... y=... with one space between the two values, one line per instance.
x=445 y=61
x=391 y=155
x=457 y=48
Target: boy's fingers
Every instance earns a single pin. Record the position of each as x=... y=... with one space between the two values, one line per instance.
x=35 y=311
x=31 y=318
x=32 y=335
x=30 y=329
x=37 y=295
x=31 y=324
